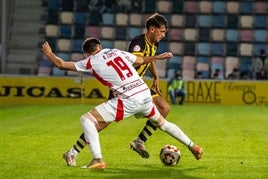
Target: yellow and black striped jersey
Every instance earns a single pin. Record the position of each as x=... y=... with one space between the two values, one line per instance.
x=140 y=46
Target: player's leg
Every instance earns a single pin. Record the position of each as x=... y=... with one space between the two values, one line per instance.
x=147 y=131
x=177 y=133
x=162 y=105
x=89 y=123
x=149 y=128
x=71 y=155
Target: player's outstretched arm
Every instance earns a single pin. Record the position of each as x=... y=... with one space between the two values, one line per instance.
x=55 y=60
x=142 y=59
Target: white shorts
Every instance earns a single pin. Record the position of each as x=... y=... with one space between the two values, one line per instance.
x=117 y=109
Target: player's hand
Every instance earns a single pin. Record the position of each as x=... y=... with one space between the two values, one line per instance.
x=46 y=48
x=155 y=86
x=164 y=56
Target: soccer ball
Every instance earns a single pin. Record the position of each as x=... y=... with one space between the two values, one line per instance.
x=170 y=155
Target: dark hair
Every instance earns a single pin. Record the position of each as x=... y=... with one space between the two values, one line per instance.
x=90 y=44
x=262 y=51
x=156 y=20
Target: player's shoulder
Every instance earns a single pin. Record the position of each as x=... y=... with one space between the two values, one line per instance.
x=139 y=38
x=137 y=43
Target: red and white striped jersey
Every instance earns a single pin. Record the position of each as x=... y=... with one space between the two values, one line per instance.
x=113 y=68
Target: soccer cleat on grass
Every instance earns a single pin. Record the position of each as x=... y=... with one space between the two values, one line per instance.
x=70 y=159
x=197 y=151
x=95 y=164
x=138 y=146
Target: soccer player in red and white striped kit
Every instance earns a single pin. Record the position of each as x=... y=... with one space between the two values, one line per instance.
x=114 y=68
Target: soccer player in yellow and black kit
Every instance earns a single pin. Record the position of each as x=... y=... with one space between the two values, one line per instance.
x=146 y=45
x=142 y=45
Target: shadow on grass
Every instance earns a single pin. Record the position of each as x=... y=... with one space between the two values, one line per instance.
x=147 y=172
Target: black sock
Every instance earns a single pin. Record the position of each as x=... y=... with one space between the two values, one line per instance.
x=147 y=131
x=80 y=143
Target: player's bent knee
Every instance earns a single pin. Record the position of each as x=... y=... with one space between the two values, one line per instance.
x=159 y=122
x=83 y=119
x=167 y=109
x=88 y=118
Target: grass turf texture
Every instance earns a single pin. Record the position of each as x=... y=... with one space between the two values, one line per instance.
x=33 y=139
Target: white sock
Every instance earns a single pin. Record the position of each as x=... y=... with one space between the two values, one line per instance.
x=177 y=133
x=73 y=151
x=91 y=135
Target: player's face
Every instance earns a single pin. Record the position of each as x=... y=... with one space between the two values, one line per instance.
x=159 y=33
x=99 y=48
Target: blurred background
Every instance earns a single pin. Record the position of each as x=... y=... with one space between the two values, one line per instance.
x=204 y=35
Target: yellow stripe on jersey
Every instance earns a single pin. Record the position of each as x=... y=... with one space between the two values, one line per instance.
x=146 y=49
x=138 y=53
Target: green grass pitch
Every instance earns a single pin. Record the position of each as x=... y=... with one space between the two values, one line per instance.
x=33 y=139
